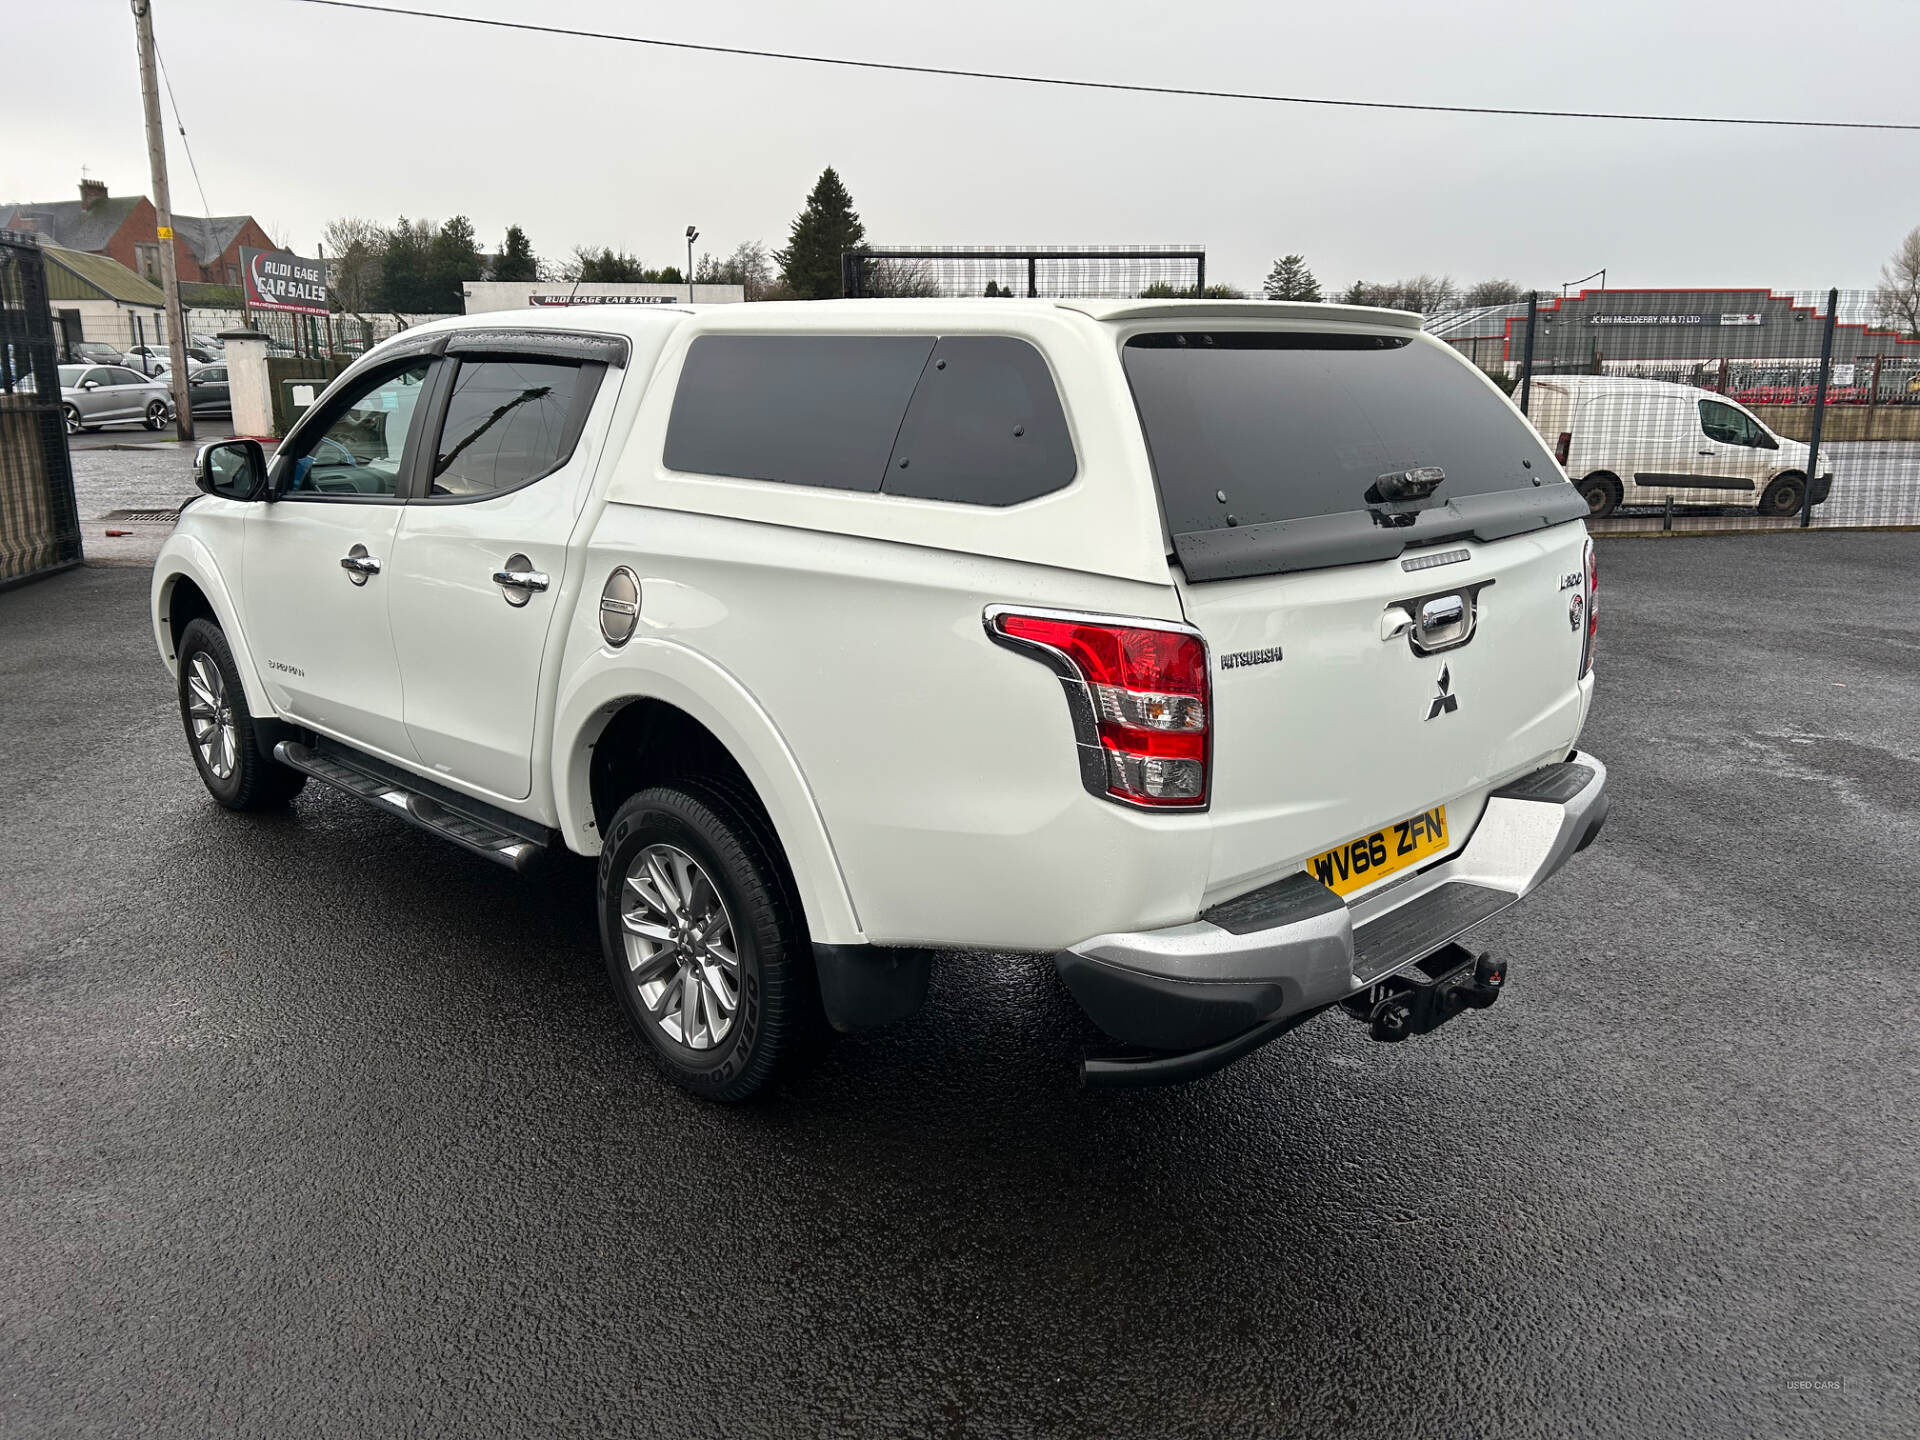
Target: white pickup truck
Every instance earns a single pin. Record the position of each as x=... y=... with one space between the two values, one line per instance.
x=1232 y=655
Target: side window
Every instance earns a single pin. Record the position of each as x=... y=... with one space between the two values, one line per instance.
x=119 y=375
x=509 y=422
x=800 y=409
x=984 y=428
x=1726 y=425
x=98 y=375
x=361 y=450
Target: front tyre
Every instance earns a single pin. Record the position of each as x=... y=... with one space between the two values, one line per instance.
x=704 y=943
x=1784 y=496
x=156 y=414
x=72 y=418
x=213 y=707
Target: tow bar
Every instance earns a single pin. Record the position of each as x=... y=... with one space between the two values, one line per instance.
x=1429 y=994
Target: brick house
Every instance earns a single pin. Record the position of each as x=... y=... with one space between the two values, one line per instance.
x=206 y=249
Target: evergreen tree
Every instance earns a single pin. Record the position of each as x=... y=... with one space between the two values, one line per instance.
x=1291 y=280
x=516 y=261
x=453 y=259
x=821 y=233
x=403 y=268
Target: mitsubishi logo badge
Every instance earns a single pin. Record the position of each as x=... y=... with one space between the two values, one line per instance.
x=1446 y=702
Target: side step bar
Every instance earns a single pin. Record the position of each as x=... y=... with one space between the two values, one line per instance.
x=471 y=824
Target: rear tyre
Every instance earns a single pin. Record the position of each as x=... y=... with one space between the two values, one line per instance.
x=705 y=945
x=213 y=708
x=156 y=414
x=1784 y=495
x=72 y=417
x=1602 y=494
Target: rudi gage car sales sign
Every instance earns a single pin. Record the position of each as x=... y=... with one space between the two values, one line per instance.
x=281 y=280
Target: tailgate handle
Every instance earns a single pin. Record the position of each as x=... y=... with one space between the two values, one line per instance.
x=1447 y=610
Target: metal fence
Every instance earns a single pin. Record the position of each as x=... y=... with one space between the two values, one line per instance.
x=39 y=522
x=1715 y=409
x=1050 y=271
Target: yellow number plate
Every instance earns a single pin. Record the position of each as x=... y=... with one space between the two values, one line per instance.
x=1345 y=868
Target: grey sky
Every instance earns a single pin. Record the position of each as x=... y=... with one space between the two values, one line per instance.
x=298 y=114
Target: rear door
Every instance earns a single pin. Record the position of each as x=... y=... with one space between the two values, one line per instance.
x=1374 y=659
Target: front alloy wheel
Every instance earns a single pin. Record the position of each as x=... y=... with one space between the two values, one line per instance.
x=682 y=959
x=210 y=717
x=156 y=414
x=72 y=417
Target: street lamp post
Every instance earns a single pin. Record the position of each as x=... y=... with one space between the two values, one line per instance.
x=692 y=235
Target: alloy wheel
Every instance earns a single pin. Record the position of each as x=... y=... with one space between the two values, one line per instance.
x=211 y=715
x=682 y=959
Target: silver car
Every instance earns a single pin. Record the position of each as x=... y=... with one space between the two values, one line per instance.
x=95 y=395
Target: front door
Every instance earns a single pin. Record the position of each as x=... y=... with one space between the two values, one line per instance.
x=481 y=558
x=319 y=563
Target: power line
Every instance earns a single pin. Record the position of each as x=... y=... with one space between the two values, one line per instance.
x=181 y=125
x=1114 y=85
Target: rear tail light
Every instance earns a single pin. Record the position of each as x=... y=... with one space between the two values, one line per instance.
x=1563 y=447
x=1139 y=695
x=1593 y=610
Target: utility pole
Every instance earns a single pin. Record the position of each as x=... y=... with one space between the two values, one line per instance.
x=163 y=210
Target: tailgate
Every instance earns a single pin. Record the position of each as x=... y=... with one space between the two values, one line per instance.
x=1379 y=552
x=1333 y=718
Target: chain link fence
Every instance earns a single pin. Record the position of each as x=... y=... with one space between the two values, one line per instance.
x=1710 y=409
x=1058 y=272
x=39 y=522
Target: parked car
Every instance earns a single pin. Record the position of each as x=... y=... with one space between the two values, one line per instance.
x=1145 y=635
x=148 y=360
x=93 y=396
x=1643 y=442
x=207 y=392
x=94 y=352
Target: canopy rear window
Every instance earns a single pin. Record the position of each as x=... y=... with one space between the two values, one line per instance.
x=1265 y=445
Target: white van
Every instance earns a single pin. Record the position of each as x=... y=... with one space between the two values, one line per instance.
x=1643 y=442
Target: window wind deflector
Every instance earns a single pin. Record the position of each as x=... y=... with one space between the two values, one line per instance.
x=1354 y=537
x=564 y=344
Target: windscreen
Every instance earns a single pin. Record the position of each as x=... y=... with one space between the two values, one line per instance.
x=1247 y=429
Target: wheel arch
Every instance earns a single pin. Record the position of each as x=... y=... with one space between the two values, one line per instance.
x=668 y=710
x=186 y=586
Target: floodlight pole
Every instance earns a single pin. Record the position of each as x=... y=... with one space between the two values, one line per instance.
x=163 y=217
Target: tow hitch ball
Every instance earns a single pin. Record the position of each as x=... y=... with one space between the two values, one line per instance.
x=1439 y=987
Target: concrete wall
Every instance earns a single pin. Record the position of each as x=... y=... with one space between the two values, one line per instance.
x=487 y=295
x=112 y=322
x=1844 y=422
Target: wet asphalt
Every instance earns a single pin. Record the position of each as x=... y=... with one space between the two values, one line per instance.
x=312 y=1126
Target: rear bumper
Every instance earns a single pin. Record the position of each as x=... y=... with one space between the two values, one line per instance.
x=1294 y=946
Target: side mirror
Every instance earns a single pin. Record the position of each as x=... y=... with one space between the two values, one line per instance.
x=231 y=469
x=89 y=384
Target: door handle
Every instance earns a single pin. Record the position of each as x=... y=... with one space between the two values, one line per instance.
x=1709 y=452
x=521 y=579
x=359 y=564
x=518 y=580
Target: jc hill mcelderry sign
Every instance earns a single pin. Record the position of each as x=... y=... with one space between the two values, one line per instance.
x=282 y=280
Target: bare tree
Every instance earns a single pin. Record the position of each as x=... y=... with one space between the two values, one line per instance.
x=1424 y=294
x=899 y=279
x=1492 y=292
x=1898 y=298
x=749 y=266
x=354 y=250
